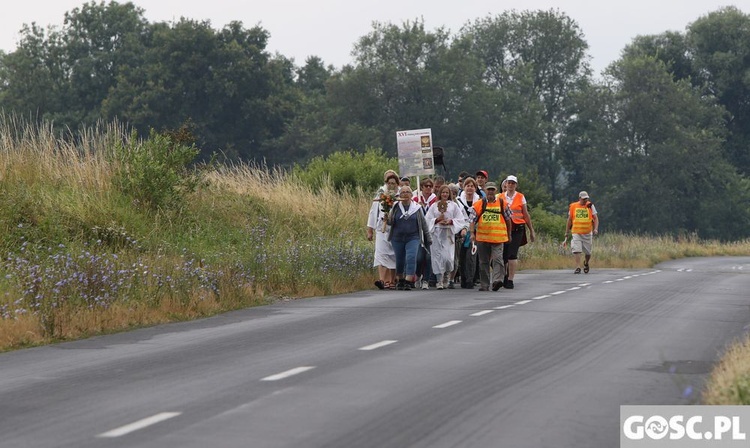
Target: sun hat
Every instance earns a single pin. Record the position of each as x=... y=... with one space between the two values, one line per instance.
x=490 y=185
x=583 y=195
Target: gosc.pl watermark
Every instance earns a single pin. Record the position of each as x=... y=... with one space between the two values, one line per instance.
x=684 y=426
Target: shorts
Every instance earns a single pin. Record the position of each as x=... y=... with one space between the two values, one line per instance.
x=510 y=250
x=582 y=243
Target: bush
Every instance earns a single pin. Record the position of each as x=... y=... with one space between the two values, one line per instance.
x=346 y=170
x=156 y=172
x=548 y=224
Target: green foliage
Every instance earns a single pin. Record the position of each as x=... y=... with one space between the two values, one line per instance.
x=156 y=172
x=548 y=224
x=347 y=170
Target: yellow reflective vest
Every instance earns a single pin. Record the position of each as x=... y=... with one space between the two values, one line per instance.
x=491 y=226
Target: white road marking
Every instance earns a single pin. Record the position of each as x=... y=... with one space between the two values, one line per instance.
x=140 y=424
x=574 y=288
x=619 y=279
x=629 y=276
x=377 y=345
x=583 y=284
x=504 y=307
x=448 y=324
x=522 y=302
x=608 y=281
x=482 y=313
x=288 y=373
x=541 y=297
x=556 y=293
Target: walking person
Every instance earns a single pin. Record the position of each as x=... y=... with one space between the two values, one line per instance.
x=468 y=262
x=384 y=258
x=408 y=233
x=583 y=224
x=490 y=231
x=459 y=237
x=425 y=197
x=481 y=179
x=519 y=215
x=444 y=219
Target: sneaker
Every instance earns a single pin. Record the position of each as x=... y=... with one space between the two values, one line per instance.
x=408 y=286
x=425 y=285
x=508 y=284
x=450 y=285
x=400 y=285
x=439 y=285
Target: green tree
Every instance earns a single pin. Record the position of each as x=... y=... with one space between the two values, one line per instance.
x=720 y=46
x=663 y=171
x=537 y=60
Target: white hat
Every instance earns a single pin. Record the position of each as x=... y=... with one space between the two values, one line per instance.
x=512 y=178
x=583 y=195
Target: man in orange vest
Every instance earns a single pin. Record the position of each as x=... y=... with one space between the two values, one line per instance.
x=490 y=230
x=583 y=224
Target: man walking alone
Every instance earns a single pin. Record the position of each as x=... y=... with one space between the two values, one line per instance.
x=583 y=224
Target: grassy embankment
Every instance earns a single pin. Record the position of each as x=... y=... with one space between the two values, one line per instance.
x=82 y=257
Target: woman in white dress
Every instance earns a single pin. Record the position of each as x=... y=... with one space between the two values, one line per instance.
x=385 y=258
x=445 y=219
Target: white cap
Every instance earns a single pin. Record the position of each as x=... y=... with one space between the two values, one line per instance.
x=583 y=195
x=512 y=178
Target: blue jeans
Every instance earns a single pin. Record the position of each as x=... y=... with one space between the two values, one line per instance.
x=406 y=256
x=424 y=264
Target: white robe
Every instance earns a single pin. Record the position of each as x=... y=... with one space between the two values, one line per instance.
x=443 y=236
x=384 y=254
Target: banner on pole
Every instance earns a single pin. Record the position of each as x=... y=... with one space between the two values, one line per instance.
x=415 y=156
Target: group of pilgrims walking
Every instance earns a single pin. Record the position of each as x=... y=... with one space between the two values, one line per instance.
x=466 y=233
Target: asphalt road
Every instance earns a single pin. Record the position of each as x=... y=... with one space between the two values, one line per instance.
x=547 y=364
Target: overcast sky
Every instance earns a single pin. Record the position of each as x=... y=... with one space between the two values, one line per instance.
x=329 y=28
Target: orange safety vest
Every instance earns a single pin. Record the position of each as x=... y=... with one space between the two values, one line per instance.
x=491 y=226
x=516 y=209
x=583 y=218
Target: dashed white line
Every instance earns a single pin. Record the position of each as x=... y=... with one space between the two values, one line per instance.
x=377 y=345
x=556 y=293
x=619 y=279
x=583 y=284
x=574 y=288
x=522 y=302
x=541 y=297
x=288 y=373
x=608 y=281
x=140 y=424
x=448 y=324
x=504 y=307
x=482 y=313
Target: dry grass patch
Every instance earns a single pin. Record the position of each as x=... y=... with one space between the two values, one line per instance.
x=729 y=382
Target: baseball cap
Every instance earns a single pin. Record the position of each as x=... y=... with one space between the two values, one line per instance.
x=490 y=185
x=483 y=173
x=512 y=178
x=583 y=195
x=404 y=178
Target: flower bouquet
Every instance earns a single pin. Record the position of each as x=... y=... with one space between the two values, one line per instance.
x=387 y=201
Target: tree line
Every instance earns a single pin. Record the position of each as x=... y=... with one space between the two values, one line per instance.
x=661 y=140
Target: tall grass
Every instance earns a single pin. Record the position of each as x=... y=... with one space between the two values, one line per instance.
x=729 y=382
x=80 y=256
